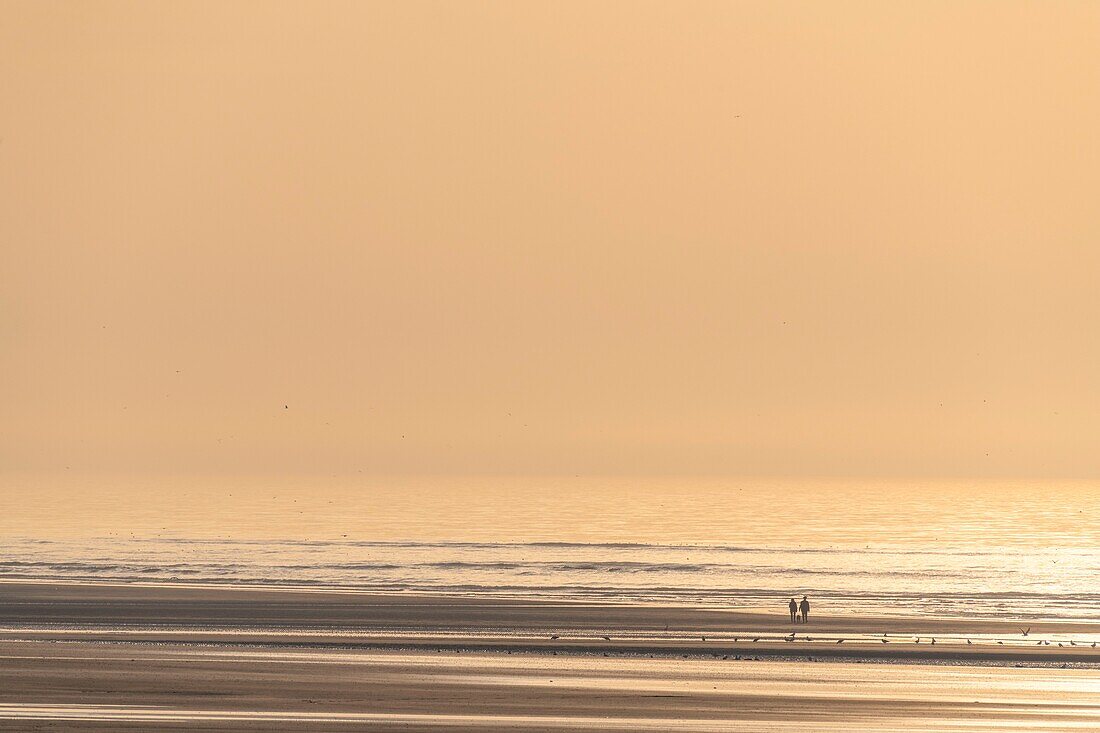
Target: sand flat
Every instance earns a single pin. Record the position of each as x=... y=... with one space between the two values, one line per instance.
x=99 y=657
x=78 y=685
x=317 y=619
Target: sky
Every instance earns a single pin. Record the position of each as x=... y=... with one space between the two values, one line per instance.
x=735 y=238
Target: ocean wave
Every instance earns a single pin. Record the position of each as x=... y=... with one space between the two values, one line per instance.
x=529 y=568
x=639 y=546
x=915 y=579
x=721 y=594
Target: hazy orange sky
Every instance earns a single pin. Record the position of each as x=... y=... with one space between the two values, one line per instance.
x=482 y=237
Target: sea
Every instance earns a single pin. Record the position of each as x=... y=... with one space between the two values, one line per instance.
x=1027 y=550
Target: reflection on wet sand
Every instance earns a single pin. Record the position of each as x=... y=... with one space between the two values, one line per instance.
x=241 y=689
x=77 y=657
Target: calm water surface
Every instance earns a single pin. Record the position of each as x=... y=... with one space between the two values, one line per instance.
x=1020 y=549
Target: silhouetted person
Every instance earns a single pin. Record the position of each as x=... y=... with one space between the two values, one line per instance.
x=794 y=611
x=805 y=608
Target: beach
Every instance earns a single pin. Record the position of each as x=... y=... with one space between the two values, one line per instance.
x=103 y=657
x=505 y=604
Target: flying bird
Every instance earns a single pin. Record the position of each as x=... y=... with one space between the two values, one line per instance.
x=554 y=636
x=1026 y=631
x=606 y=638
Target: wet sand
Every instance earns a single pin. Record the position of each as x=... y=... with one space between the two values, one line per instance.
x=99 y=657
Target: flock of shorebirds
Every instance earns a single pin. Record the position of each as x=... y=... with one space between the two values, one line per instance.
x=885 y=639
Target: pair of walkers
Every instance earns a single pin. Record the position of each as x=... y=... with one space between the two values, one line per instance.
x=802 y=608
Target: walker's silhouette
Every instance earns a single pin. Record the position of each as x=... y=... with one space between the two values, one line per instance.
x=805 y=608
x=794 y=611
